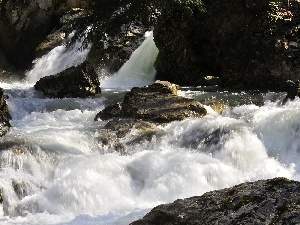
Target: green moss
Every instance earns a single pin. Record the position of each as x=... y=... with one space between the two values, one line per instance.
x=279 y=181
x=226 y=201
x=248 y=199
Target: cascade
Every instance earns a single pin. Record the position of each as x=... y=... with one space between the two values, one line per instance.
x=57 y=60
x=54 y=171
x=138 y=70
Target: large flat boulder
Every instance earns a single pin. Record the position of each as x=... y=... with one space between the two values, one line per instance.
x=4 y=115
x=274 y=201
x=157 y=103
x=75 y=82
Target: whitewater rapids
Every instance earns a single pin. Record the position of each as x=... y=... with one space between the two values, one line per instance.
x=63 y=175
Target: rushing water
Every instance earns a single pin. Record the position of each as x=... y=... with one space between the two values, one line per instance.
x=53 y=171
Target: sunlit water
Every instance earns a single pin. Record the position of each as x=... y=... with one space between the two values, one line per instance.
x=62 y=175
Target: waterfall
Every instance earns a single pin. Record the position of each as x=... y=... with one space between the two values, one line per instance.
x=139 y=70
x=53 y=170
x=57 y=60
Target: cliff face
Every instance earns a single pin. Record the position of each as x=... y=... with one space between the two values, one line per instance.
x=249 y=44
x=24 y=25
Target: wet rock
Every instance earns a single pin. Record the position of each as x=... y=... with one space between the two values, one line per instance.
x=75 y=82
x=20 y=188
x=111 y=111
x=293 y=89
x=112 y=58
x=119 y=134
x=4 y=115
x=51 y=41
x=216 y=105
x=157 y=103
x=274 y=201
x=210 y=81
x=1 y=196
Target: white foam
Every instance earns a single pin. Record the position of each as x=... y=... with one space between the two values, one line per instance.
x=138 y=70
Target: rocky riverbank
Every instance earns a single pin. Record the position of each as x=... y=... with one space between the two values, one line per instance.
x=274 y=201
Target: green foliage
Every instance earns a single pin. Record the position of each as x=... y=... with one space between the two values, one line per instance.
x=110 y=23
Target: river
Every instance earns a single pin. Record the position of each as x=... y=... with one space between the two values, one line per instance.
x=54 y=171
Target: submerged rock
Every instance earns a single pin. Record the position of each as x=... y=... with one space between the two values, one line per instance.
x=293 y=89
x=157 y=103
x=75 y=82
x=4 y=115
x=118 y=134
x=274 y=201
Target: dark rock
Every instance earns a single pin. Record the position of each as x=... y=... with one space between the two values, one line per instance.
x=248 y=44
x=111 y=111
x=4 y=115
x=210 y=81
x=117 y=53
x=118 y=134
x=178 y=60
x=292 y=88
x=75 y=82
x=216 y=105
x=274 y=201
x=157 y=103
x=51 y=41
x=23 y=25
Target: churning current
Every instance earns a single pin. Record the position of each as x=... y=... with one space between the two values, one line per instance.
x=62 y=175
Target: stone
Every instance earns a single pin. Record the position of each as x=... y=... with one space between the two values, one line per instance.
x=118 y=134
x=4 y=115
x=273 y=201
x=75 y=82
x=157 y=103
x=23 y=26
x=248 y=44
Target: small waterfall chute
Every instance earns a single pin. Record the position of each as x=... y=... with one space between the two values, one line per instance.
x=57 y=60
x=139 y=70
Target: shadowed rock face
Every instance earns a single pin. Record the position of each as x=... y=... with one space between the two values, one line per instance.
x=274 y=201
x=75 y=82
x=249 y=44
x=4 y=115
x=157 y=103
x=25 y=23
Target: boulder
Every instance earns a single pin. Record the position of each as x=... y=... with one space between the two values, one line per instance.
x=274 y=201
x=157 y=102
x=75 y=82
x=119 y=134
x=248 y=44
x=4 y=115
